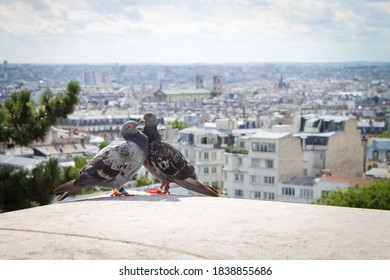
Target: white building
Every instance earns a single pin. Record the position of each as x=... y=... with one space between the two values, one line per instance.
x=204 y=148
x=259 y=162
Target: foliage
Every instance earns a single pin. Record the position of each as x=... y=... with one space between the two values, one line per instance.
x=23 y=122
x=19 y=189
x=14 y=186
x=178 y=124
x=45 y=178
x=384 y=134
x=142 y=181
x=103 y=144
x=374 y=196
x=236 y=150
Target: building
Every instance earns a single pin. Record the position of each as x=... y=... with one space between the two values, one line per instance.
x=378 y=153
x=332 y=143
x=310 y=189
x=297 y=189
x=204 y=148
x=188 y=97
x=178 y=98
x=259 y=163
x=333 y=182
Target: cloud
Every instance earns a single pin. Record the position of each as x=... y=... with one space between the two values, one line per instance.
x=219 y=30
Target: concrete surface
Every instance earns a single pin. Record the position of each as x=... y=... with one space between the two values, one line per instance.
x=179 y=227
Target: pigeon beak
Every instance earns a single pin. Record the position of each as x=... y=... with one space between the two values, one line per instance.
x=141 y=124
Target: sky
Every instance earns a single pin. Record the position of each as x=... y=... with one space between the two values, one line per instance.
x=194 y=31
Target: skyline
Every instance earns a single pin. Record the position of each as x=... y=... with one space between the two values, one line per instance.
x=196 y=31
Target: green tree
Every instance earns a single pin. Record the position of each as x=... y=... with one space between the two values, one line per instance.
x=384 y=134
x=14 y=185
x=178 y=124
x=103 y=144
x=142 y=181
x=374 y=196
x=23 y=122
x=45 y=178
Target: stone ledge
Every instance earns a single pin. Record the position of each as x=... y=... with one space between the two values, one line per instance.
x=182 y=227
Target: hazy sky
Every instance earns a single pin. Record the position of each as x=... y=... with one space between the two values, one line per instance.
x=195 y=31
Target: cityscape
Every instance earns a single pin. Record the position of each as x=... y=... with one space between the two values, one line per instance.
x=269 y=131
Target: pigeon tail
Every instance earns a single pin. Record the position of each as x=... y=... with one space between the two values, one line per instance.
x=197 y=185
x=66 y=190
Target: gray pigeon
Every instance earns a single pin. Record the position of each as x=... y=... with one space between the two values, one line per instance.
x=168 y=164
x=113 y=166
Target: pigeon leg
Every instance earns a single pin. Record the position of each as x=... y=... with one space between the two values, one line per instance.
x=163 y=189
x=120 y=192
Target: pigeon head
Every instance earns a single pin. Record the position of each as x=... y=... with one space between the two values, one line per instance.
x=150 y=119
x=129 y=128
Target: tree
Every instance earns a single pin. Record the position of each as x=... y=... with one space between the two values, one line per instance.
x=14 y=185
x=178 y=124
x=374 y=196
x=103 y=144
x=142 y=181
x=23 y=122
x=384 y=134
x=45 y=178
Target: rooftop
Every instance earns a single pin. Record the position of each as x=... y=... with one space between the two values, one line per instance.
x=186 y=91
x=300 y=181
x=180 y=227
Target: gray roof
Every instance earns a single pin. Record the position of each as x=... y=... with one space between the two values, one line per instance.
x=300 y=181
x=20 y=162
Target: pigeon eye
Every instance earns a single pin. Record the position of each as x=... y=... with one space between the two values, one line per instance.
x=129 y=126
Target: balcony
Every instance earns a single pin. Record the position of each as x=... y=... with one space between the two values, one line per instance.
x=205 y=146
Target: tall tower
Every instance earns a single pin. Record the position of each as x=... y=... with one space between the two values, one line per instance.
x=217 y=83
x=199 y=81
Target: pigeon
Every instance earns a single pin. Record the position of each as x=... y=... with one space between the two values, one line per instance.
x=113 y=166
x=168 y=164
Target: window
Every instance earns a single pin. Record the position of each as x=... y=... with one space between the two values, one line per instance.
x=214 y=170
x=213 y=156
x=269 y=180
x=288 y=191
x=255 y=195
x=238 y=193
x=387 y=155
x=269 y=196
x=238 y=177
x=214 y=184
x=306 y=193
x=255 y=179
x=240 y=162
x=255 y=162
x=263 y=147
x=375 y=155
x=206 y=155
x=206 y=170
x=269 y=163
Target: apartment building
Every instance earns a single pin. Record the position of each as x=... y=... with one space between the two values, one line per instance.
x=332 y=143
x=377 y=158
x=204 y=148
x=259 y=162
